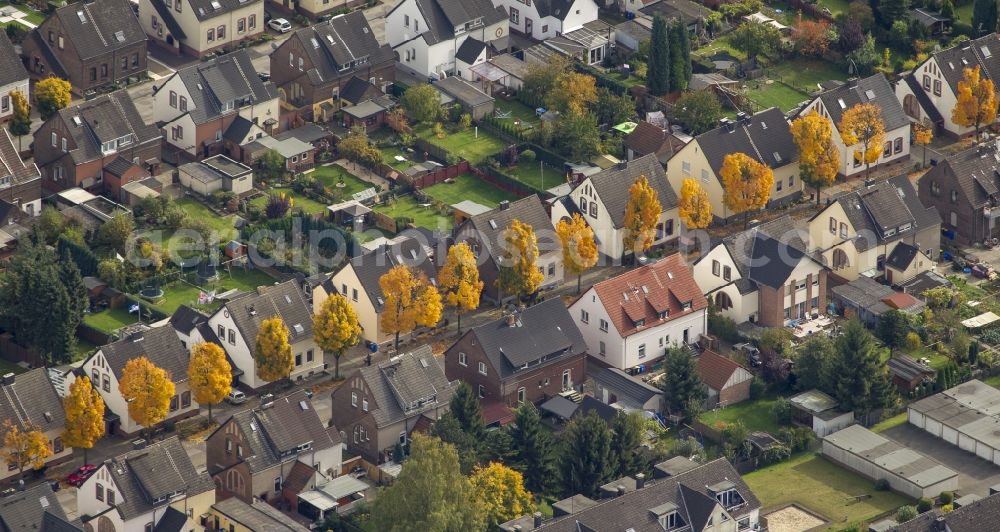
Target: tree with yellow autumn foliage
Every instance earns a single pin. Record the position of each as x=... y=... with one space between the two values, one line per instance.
x=747 y=183
x=922 y=136
x=147 y=389
x=579 y=250
x=642 y=212
x=519 y=273
x=573 y=93
x=84 y=409
x=819 y=158
x=500 y=491
x=210 y=374
x=693 y=206
x=51 y=95
x=459 y=280
x=977 y=101
x=410 y=300
x=862 y=124
x=336 y=328
x=24 y=447
x=272 y=352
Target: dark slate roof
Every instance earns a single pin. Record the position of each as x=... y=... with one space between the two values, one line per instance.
x=553 y=8
x=777 y=236
x=674 y=466
x=901 y=257
x=559 y=406
x=686 y=492
x=469 y=50
x=185 y=319
x=206 y=9
x=984 y=51
x=975 y=170
x=371 y=266
x=355 y=88
x=100 y=27
x=443 y=16
x=405 y=378
x=647 y=138
x=32 y=400
x=11 y=69
x=158 y=470
x=590 y=404
x=923 y=99
x=173 y=520
x=119 y=166
x=257 y=516
x=760 y=136
x=543 y=330
x=767 y=260
x=629 y=390
x=491 y=225
x=226 y=78
x=11 y=164
x=333 y=44
x=976 y=517
x=885 y=206
x=51 y=522
x=873 y=89
x=24 y=510
x=612 y=185
x=463 y=91
x=238 y=130
x=292 y=422
x=907 y=368
x=159 y=344
x=167 y=15
x=104 y=118
x=283 y=300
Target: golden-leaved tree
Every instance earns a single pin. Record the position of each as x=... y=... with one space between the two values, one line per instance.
x=922 y=136
x=819 y=158
x=84 y=409
x=747 y=183
x=272 y=352
x=410 y=300
x=642 y=211
x=693 y=206
x=500 y=491
x=51 y=95
x=459 y=280
x=147 y=389
x=977 y=101
x=519 y=273
x=336 y=328
x=573 y=93
x=862 y=124
x=579 y=250
x=23 y=448
x=210 y=374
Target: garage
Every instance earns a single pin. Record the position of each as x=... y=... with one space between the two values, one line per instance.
x=964 y=415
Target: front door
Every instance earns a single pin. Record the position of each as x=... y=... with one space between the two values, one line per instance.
x=527 y=26
x=567 y=379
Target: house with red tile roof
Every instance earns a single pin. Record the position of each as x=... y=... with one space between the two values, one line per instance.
x=726 y=381
x=631 y=319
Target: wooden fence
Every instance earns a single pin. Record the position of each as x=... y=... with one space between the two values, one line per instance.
x=14 y=353
x=441 y=174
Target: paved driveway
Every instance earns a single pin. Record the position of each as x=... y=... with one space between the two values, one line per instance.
x=975 y=475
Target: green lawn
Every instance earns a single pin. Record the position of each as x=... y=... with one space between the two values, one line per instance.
x=389 y=157
x=408 y=207
x=993 y=381
x=183 y=293
x=518 y=111
x=756 y=415
x=716 y=46
x=308 y=205
x=465 y=144
x=221 y=224
x=331 y=175
x=10 y=367
x=776 y=95
x=822 y=487
x=110 y=321
x=889 y=423
x=33 y=16
x=83 y=350
x=468 y=187
x=534 y=175
x=798 y=77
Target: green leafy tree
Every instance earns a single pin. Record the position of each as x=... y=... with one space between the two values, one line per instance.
x=115 y=233
x=626 y=440
x=948 y=12
x=866 y=58
x=587 y=461
x=678 y=62
x=272 y=164
x=699 y=111
x=861 y=381
x=576 y=136
x=683 y=391
x=813 y=364
x=755 y=39
x=464 y=406
x=892 y=328
x=613 y=108
x=469 y=448
x=422 y=102
x=889 y=11
x=533 y=452
x=658 y=74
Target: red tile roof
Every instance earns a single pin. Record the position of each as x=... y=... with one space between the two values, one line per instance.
x=900 y=300
x=715 y=369
x=643 y=293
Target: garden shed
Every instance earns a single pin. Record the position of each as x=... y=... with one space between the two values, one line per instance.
x=876 y=457
x=473 y=101
x=965 y=416
x=818 y=411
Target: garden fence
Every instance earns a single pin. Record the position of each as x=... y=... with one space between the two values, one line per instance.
x=14 y=353
x=441 y=175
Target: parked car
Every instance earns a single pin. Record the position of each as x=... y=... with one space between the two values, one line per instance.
x=236 y=397
x=279 y=25
x=751 y=352
x=266 y=399
x=309 y=393
x=78 y=477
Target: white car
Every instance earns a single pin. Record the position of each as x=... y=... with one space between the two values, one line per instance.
x=280 y=25
x=236 y=397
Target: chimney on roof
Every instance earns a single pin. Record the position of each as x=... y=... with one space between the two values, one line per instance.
x=136 y=336
x=640 y=481
x=518 y=528
x=622 y=165
x=511 y=320
x=852 y=82
x=8 y=378
x=20 y=485
x=621 y=490
x=504 y=205
x=537 y=519
x=742 y=117
x=940 y=525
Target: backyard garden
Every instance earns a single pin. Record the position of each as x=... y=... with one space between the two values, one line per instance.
x=472 y=144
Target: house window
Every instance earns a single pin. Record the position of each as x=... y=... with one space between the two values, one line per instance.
x=124 y=64
x=520 y=395
x=309 y=355
x=184 y=104
x=788 y=312
x=723 y=301
x=232 y=336
x=954 y=196
x=186 y=399
x=935 y=188
x=791 y=181
x=515 y=16
x=173 y=403
x=221 y=32
x=686 y=168
x=298 y=359
x=106 y=383
x=252 y=21
x=111 y=497
x=462 y=359
x=99 y=491
x=545 y=28
x=229 y=445
x=211 y=34
x=552 y=269
x=93 y=73
x=840 y=259
x=5 y=104
x=354 y=399
x=584 y=316
x=406 y=21
x=364 y=404
x=241 y=25
x=95 y=377
x=239 y=451
x=135 y=60
x=716 y=268
x=927 y=82
x=642 y=351
x=604 y=325
x=778 y=185
x=354 y=294
x=704 y=175
x=843 y=230
x=57 y=446
x=60 y=42
x=833 y=225
x=62 y=143
x=222 y=331
x=815 y=302
x=897 y=145
x=937 y=87
x=177 y=6
x=727 y=273
x=482 y=391
x=55 y=139
x=277 y=484
x=593 y=209
x=482 y=368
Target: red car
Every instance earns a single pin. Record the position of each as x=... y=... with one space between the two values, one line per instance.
x=78 y=477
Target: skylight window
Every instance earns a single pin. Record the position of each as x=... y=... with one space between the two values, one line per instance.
x=315 y=43
x=777 y=157
x=77 y=121
x=299 y=329
x=216 y=5
x=83 y=18
x=303 y=405
x=763 y=125
x=841 y=102
x=493 y=224
x=120 y=36
x=986 y=51
x=329 y=39
x=870 y=94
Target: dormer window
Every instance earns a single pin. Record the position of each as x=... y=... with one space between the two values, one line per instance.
x=228 y=106
x=729 y=498
x=687 y=305
x=663 y=314
x=640 y=322
x=667 y=516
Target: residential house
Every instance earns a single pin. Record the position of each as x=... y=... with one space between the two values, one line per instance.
x=601 y=199
x=29 y=401
x=93 y=44
x=378 y=406
x=867 y=300
x=905 y=263
x=978 y=515
x=631 y=319
x=763 y=275
x=590 y=43
x=484 y=233
x=692 y=14
x=726 y=382
x=315 y=64
x=154 y=486
x=215 y=174
x=477 y=103
x=75 y=146
x=192 y=328
x=13 y=77
x=965 y=189
x=858 y=231
x=238 y=516
x=298 y=155
x=36 y=508
x=164 y=349
x=20 y=182
x=705 y=497
x=529 y=355
x=237 y=323
x=833 y=103
x=427 y=34
x=764 y=137
x=544 y=19
x=201 y=27
x=315 y=9
x=818 y=411
x=199 y=103
x=369 y=114
x=358 y=281
x=615 y=387
x=929 y=92
x=647 y=139
x=273 y=452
